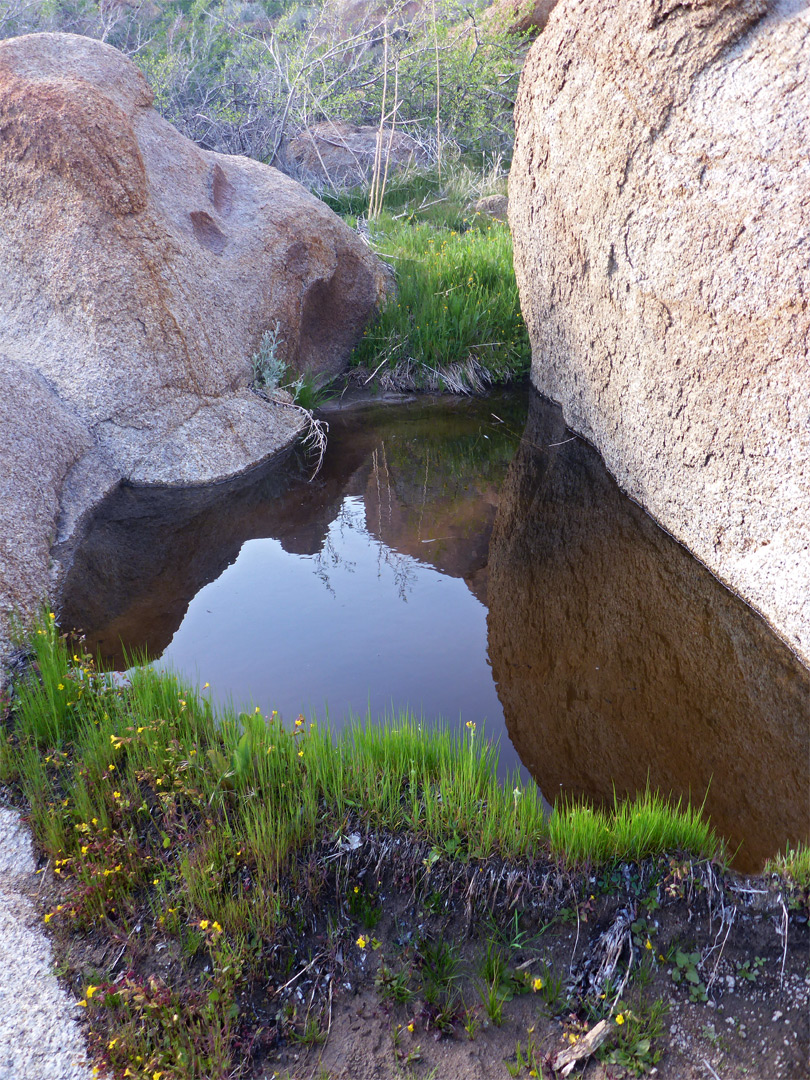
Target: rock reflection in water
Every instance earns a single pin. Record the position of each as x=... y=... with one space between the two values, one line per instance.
x=291 y=593
x=619 y=658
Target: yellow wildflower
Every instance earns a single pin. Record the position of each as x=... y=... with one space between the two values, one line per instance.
x=362 y=942
x=537 y=984
x=648 y=944
x=619 y=1018
x=410 y=1026
x=204 y=924
x=216 y=927
x=60 y=686
x=90 y=991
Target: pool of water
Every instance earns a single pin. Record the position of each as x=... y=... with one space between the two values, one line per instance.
x=469 y=560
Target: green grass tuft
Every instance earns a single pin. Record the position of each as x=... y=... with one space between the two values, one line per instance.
x=793 y=864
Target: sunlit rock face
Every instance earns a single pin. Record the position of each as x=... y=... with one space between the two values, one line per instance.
x=139 y=275
x=618 y=658
x=659 y=200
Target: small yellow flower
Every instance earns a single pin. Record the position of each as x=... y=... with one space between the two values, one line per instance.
x=619 y=1018
x=648 y=944
x=48 y=917
x=83 y=1003
x=60 y=686
x=357 y=888
x=537 y=984
x=204 y=924
x=216 y=927
x=116 y=794
x=110 y=768
x=410 y=1027
x=300 y=753
x=90 y=991
x=51 y=615
x=572 y=1038
x=362 y=942
x=140 y=729
x=206 y=685
x=155 y=881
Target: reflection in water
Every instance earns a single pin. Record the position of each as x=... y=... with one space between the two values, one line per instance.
x=618 y=657
x=363 y=588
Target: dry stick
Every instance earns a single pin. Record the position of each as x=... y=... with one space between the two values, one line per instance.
x=375 y=179
x=391 y=131
x=711 y=1070
x=438 y=99
x=711 y=981
x=303 y=971
x=783 y=933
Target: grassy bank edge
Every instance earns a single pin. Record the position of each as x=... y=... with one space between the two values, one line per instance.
x=153 y=809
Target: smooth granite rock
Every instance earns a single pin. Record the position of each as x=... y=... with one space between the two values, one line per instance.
x=660 y=207
x=139 y=275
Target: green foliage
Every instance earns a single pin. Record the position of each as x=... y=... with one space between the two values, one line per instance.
x=267 y=367
x=238 y=77
x=750 y=969
x=686 y=972
x=643 y=826
x=146 y=801
x=636 y=1035
x=528 y=1060
x=794 y=865
x=457 y=305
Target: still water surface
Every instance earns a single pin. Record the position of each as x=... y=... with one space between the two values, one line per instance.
x=469 y=563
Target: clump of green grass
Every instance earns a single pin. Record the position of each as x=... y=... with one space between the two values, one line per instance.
x=793 y=864
x=632 y=830
x=455 y=323
x=457 y=305
x=154 y=809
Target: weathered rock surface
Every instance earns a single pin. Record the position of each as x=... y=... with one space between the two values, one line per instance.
x=139 y=274
x=660 y=207
x=337 y=154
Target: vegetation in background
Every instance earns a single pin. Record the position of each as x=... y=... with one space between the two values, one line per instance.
x=219 y=834
x=245 y=78
x=241 y=77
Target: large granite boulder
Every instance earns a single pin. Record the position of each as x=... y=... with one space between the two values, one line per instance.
x=660 y=207
x=139 y=275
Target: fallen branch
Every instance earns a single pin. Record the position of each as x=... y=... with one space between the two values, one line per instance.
x=585 y=1047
